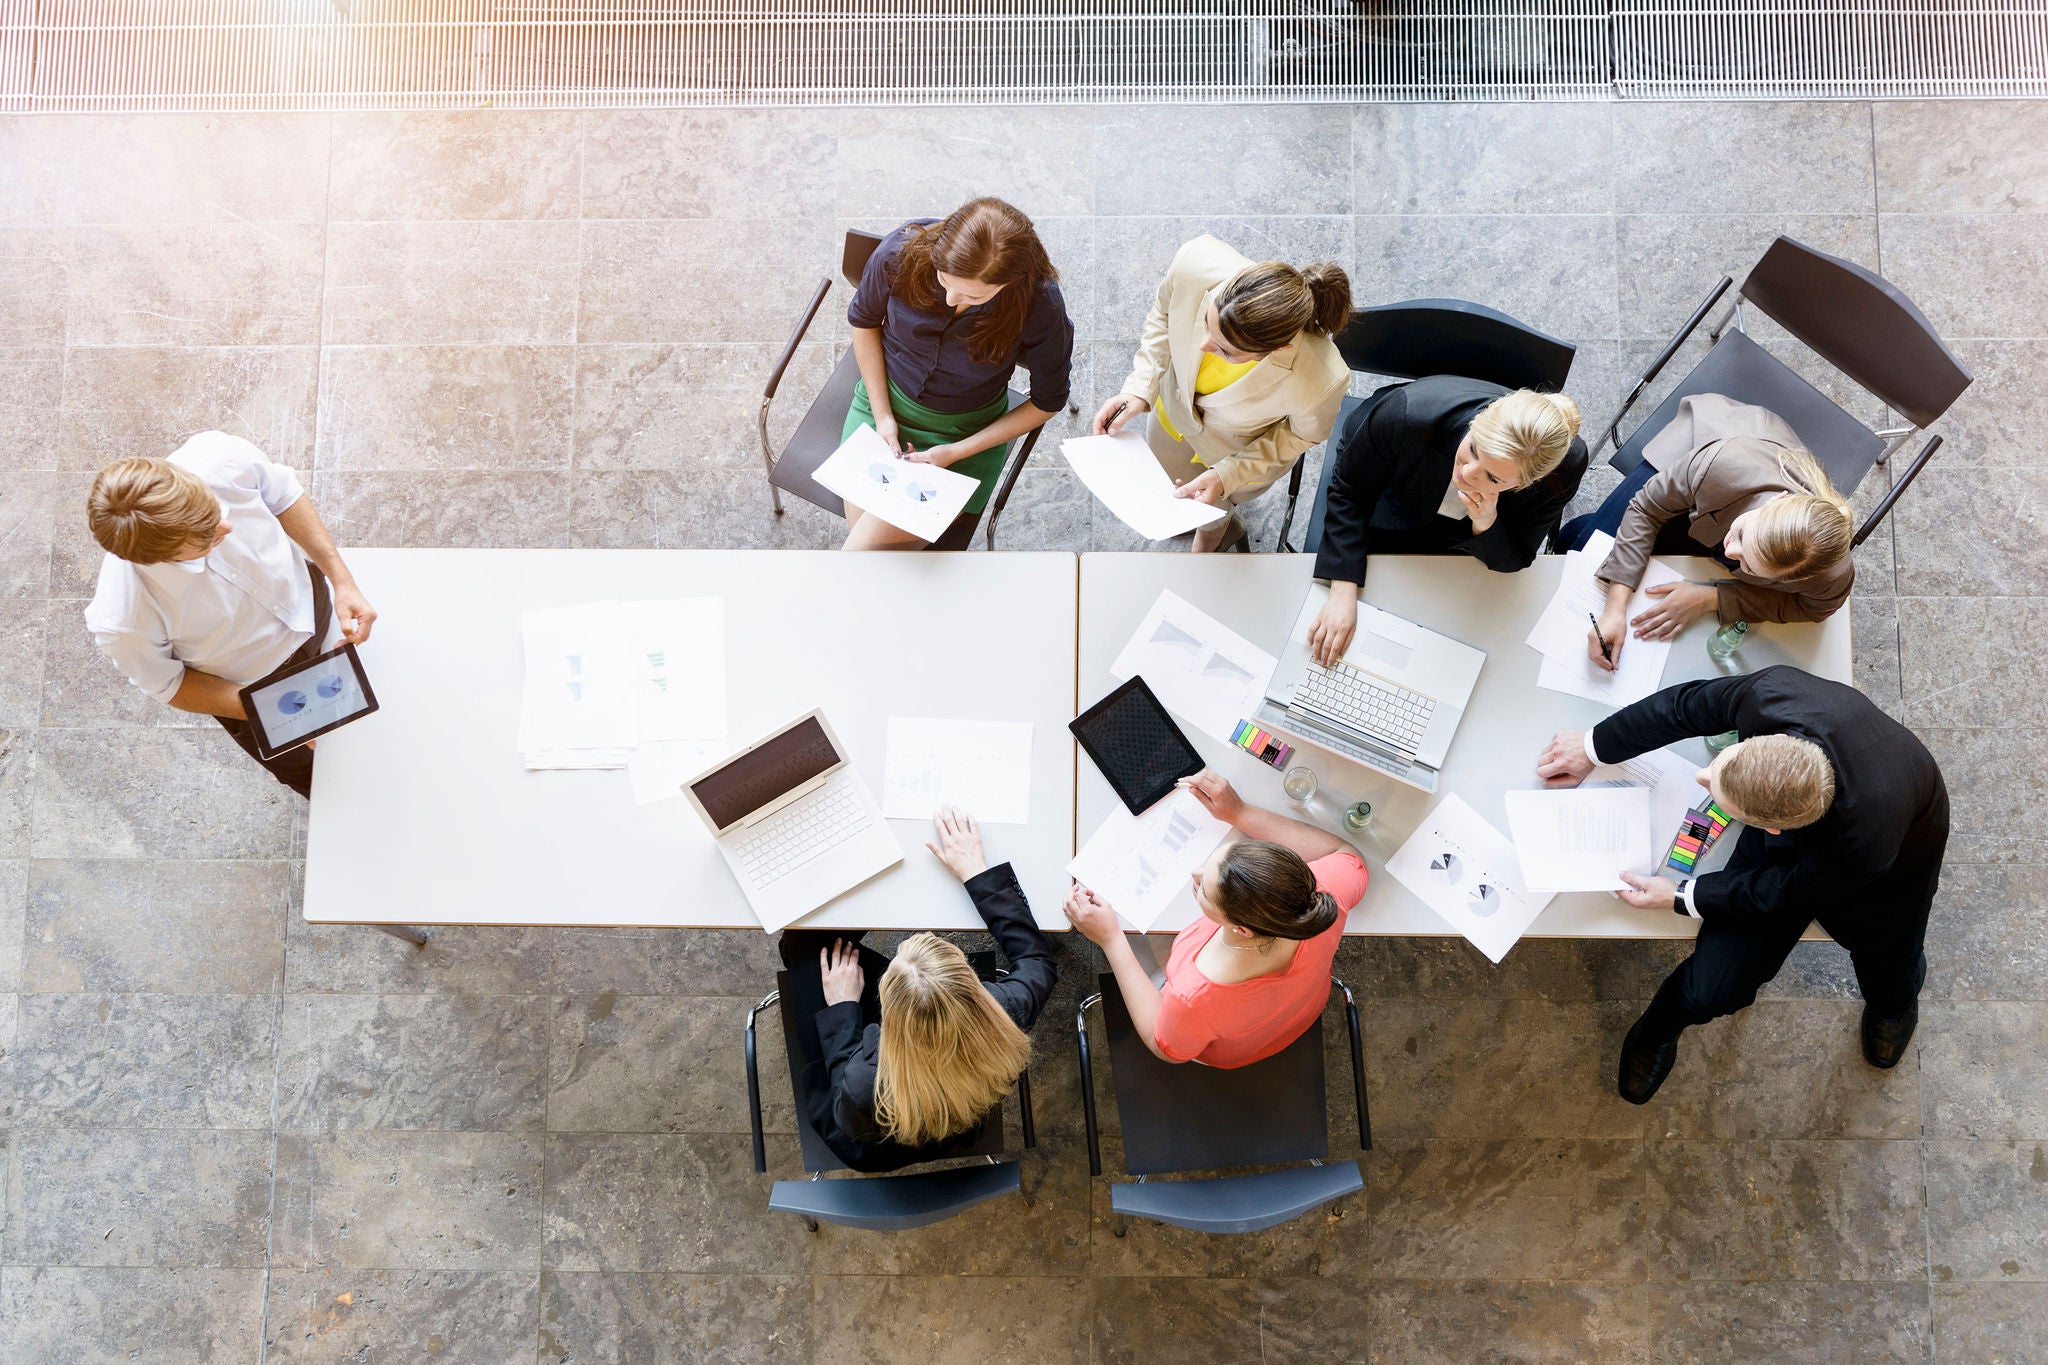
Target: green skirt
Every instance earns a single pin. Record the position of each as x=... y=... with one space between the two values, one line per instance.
x=921 y=428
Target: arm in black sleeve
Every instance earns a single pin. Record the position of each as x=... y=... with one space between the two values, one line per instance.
x=1366 y=462
x=1683 y=712
x=845 y=1104
x=1528 y=516
x=1047 y=350
x=869 y=306
x=999 y=900
x=1810 y=881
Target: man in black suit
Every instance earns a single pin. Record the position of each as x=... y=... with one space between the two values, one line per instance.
x=1846 y=819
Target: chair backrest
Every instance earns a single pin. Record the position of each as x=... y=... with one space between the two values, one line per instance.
x=853 y=258
x=1861 y=324
x=1453 y=336
x=1200 y=1118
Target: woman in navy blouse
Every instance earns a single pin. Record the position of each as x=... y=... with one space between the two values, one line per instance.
x=945 y=312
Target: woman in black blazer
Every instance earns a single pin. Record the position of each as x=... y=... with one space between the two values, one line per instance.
x=903 y=1058
x=1443 y=466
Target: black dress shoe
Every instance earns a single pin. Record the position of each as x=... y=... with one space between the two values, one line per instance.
x=1885 y=1040
x=1644 y=1064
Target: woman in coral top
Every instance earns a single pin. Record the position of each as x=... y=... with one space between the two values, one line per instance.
x=1252 y=974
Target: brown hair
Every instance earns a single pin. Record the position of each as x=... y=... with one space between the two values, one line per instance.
x=1533 y=430
x=1779 y=781
x=1797 y=534
x=1265 y=306
x=146 y=510
x=948 y=1052
x=1270 y=890
x=986 y=240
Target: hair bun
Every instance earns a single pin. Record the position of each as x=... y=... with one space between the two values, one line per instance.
x=1567 y=409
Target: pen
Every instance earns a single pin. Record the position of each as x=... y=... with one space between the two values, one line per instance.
x=1114 y=414
x=1601 y=638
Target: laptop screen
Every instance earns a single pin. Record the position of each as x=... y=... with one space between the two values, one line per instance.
x=759 y=776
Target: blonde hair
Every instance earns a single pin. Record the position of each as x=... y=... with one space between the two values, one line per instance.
x=1779 y=781
x=1265 y=306
x=147 y=511
x=949 y=1052
x=1796 y=534
x=1534 y=431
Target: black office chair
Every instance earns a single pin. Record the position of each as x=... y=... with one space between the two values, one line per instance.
x=1423 y=337
x=1857 y=322
x=817 y=435
x=885 y=1203
x=1200 y=1118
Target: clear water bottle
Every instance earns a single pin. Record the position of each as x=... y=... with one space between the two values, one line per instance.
x=1726 y=641
x=1716 y=743
x=1358 y=817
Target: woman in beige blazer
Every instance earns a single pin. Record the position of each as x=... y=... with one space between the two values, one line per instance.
x=1753 y=496
x=1238 y=372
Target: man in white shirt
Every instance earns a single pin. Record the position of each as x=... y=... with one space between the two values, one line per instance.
x=206 y=586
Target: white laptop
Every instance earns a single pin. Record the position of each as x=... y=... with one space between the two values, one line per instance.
x=1392 y=702
x=795 y=822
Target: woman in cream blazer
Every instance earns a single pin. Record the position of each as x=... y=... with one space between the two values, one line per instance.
x=1238 y=373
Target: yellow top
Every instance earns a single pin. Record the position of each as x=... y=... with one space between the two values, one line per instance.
x=1212 y=374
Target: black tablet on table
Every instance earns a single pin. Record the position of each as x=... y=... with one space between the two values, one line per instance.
x=1136 y=745
x=304 y=701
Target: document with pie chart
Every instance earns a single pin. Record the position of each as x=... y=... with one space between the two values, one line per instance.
x=1466 y=870
x=922 y=499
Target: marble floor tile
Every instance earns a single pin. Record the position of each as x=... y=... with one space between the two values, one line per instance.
x=657 y=1064
x=1160 y=159
x=195 y=284
x=13 y=921
x=1668 y=261
x=444 y=1062
x=1987 y=1210
x=1999 y=419
x=1788 y=1324
x=1132 y=255
x=680 y=1202
x=676 y=407
x=875 y=1320
x=1763 y=157
x=449 y=1317
x=31 y=403
x=2001 y=1322
x=1874 y=650
x=1961 y=156
x=465 y=164
x=1445 y=967
x=74 y=557
x=1510 y=1209
x=1529 y=1322
x=1989 y=775
x=445 y=509
x=892 y=163
x=2004 y=293
x=97 y=794
x=667 y=962
x=1988 y=936
x=164 y=168
x=35 y=283
x=1974 y=661
x=1482 y=158
x=101 y=1197
x=1985 y=1069
x=81 y=689
x=696 y=509
x=121 y=401
x=23 y=626
x=426 y=283
x=1555 y=273
x=1785 y=1211
x=118 y=925
x=1049 y=509
x=14 y=793
x=445 y=407
x=114 y=1316
x=141 y=1061
x=393 y=1200
x=620 y=1319
x=678 y=280
x=1786 y=1069
x=714 y=163
x=1229 y=1322
x=353 y=959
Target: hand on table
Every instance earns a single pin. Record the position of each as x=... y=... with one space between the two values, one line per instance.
x=1563 y=762
x=1117 y=410
x=1649 y=893
x=839 y=972
x=1216 y=794
x=959 y=845
x=1092 y=915
x=1329 y=635
x=1613 y=630
x=1678 y=606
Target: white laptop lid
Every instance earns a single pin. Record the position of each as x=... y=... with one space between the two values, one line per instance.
x=766 y=775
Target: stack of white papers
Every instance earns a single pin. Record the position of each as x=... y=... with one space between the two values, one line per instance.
x=922 y=499
x=983 y=767
x=1199 y=668
x=1466 y=871
x=1560 y=632
x=1120 y=470
x=1673 y=784
x=1141 y=864
x=1580 y=838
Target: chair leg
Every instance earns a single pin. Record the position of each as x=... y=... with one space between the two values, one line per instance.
x=811 y=1224
x=1293 y=496
x=1119 y=1225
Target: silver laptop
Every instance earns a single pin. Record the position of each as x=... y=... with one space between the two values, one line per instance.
x=795 y=822
x=1391 y=703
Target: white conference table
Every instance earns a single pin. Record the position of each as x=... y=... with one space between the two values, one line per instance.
x=1507 y=722
x=423 y=813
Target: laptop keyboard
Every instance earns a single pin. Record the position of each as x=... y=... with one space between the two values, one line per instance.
x=1393 y=715
x=799 y=832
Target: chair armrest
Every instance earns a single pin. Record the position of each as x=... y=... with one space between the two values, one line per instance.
x=775 y=379
x=1002 y=497
x=1088 y=1085
x=1883 y=508
x=1663 y=358
x=754 y=1085
x=1357 y=1065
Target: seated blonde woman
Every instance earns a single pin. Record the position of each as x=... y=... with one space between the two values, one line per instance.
x=904 y=1057
x=1731 y=479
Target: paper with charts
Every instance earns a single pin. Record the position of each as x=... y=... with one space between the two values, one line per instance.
x=1200 y=669
x=1559 y=634
x=1141 y=863
x=981 y=766
x=1673 y=784
x=1580 y=838
x=1121 y=471
x=922 y=499
x=1466 y=870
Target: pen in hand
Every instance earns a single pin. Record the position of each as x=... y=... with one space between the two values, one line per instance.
x=1605 y=653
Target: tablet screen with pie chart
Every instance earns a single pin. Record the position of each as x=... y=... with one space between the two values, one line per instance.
x=301 y=701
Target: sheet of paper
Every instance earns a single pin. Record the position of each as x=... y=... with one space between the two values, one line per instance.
x=1202 y=670
x=678 y=668
x=922 y=499
x=1466 y=871
x=981 y=766
x=1559 y=634
x=1139 y=863
x=658 y=770
x=1674 y=789
x=1580 y=838
x=578 y=691
x=1121 y=472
